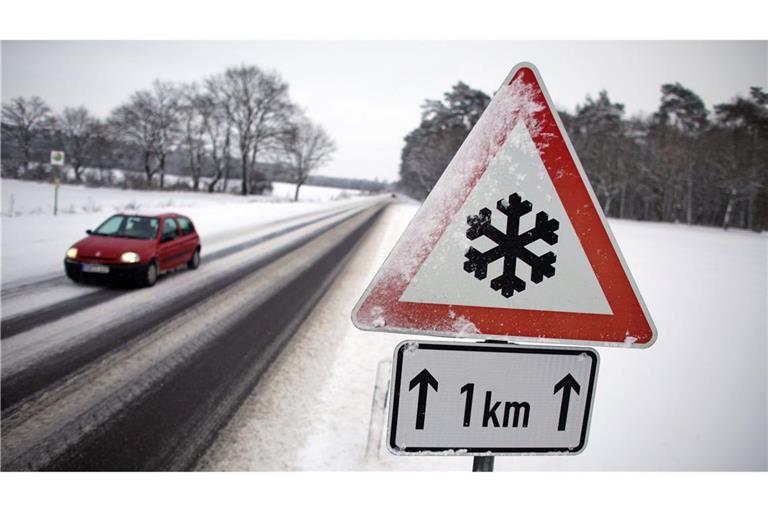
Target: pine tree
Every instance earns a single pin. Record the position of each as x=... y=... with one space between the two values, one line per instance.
x=601 y=141
x=444 y=125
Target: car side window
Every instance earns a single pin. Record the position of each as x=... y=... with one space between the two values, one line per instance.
x=170 y=228
x=186 y=226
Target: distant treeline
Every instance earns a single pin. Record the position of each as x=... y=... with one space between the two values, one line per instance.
x=683 y=163
x=121 y=167
x=237 y=125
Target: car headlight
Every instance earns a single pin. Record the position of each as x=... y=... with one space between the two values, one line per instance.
x=71 y=253
x=129 y=257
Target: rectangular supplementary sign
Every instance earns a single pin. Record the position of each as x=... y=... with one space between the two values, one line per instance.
x=489 y=398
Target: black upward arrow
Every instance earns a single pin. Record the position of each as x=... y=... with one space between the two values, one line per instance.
x=423 y=379
x=567 y=384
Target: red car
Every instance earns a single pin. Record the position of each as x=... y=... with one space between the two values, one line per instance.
x=135 y=247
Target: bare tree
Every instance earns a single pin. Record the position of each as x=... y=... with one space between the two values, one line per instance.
x=150 y=122
x=305 y=147
x=102 y=149
x=78 y=130
x=24 y=119
x=259 y=107
x=194 y=112
x=133 y=124
x=218 y=131
x=166 y=103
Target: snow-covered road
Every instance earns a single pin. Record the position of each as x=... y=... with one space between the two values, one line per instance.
x=696 y=400
x=70 y=377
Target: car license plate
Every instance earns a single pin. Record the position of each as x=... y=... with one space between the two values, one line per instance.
x=96 y=269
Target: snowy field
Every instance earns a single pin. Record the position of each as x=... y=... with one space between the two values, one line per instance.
x=311 y=192
x=696 y=400
x=34 y=241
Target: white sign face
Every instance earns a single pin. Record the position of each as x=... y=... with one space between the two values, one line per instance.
x=574 y=272
x=57 y=158
x=490 y=399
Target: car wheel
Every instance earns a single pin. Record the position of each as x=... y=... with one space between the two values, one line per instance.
x=74 y=277
x=150 y=275
x=194 y=262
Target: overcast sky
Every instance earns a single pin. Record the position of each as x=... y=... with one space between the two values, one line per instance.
x=367 y=94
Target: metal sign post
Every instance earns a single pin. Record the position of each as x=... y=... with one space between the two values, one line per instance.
x=484 y=463
x=56 y=185
x=57 y=160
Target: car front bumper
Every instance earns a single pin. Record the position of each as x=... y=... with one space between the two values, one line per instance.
x=122 y=271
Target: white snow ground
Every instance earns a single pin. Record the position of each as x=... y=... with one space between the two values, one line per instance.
x=696 y=400
x=34 y=241
x=311 y=192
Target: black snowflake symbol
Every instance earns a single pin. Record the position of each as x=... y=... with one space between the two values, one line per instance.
x=511 y=245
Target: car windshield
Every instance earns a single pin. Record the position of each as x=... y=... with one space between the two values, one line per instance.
x=129 y=226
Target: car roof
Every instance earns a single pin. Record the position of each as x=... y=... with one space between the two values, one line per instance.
x=157 y=215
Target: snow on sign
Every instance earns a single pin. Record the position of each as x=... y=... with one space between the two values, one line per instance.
x=491 y=399
x=511 y=242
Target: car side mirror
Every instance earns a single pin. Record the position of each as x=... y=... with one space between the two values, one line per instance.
x=167 y=238
x=88 y=231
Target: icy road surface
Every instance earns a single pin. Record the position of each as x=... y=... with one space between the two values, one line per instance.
x=696 y=400
x=119 y=383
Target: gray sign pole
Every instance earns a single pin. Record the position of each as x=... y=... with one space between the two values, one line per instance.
x=484 y=463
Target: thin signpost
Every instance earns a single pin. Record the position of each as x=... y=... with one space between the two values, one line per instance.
x=57 y=160
x=56 y=184
x=484 y=463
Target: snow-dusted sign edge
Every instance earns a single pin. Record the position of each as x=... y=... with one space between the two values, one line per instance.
x=601 y=214
x=586 y=426
x=521 y=339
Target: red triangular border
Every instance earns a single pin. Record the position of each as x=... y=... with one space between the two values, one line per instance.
x=630 y=324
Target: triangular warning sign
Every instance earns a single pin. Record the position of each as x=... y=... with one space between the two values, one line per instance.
x=511 y=242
